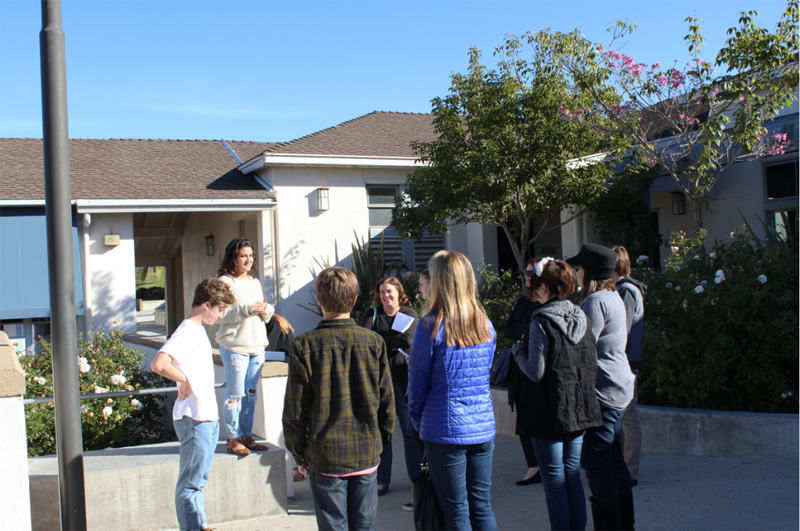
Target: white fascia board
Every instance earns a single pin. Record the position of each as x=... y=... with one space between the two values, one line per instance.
x=277 y=159
x=587 y=160
x=98 y=206
x=23 y=202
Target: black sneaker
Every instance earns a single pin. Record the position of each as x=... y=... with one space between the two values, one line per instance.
x=408 y=506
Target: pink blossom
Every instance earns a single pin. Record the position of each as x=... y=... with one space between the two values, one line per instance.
x=678 y=79
x=703 y=283
x=617 y=110
x=563 y=111
x=657 y=65
x=659 y=302
x=662 y=80
x=714 y=92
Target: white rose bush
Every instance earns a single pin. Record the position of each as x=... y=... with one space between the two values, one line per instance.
x=105 y=364
x=724 y=344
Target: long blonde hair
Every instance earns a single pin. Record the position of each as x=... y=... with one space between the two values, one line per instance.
x=453 y=296
x=282 y=323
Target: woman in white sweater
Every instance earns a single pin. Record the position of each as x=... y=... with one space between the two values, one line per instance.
x=242 y=339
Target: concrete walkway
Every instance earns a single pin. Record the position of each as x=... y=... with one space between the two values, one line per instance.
x=674 y=493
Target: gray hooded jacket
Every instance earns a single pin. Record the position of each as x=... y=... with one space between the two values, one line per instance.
x=566 y=318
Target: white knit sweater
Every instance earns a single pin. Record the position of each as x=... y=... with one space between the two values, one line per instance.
x=241 y=330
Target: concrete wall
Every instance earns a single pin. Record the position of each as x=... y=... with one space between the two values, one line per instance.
x=696 y=432
x=740 y=188
x=133 y=489
x=14 y=494
x=306 y=234
x=111 y=272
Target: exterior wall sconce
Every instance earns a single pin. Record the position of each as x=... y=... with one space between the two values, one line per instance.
x=678 y=204
x=210 y=245
x=111 y=240
x=323 y=199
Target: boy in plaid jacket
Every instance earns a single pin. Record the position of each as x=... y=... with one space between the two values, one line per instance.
x=339 y=407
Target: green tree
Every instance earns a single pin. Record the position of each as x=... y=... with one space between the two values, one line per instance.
x=503 y=157
x=687 y=122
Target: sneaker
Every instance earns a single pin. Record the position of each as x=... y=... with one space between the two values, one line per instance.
x=408 y=506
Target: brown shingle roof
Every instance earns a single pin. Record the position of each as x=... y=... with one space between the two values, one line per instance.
x=377 y=134
x=133 y=169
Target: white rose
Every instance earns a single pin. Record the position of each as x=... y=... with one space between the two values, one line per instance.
x=685 y=303
x=669 y=284
x=135 y=403
x=677 y=288
x=40 y=380
x=107 y=411
x=712 y=255
x=118 y=379
x=83 y=365
x=762 y=279
x=699 y=289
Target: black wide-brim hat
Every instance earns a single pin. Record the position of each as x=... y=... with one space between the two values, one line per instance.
x=599 y=261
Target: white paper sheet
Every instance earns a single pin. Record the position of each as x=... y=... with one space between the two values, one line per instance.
x=402 y=322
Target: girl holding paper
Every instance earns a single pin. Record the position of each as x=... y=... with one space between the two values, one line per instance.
x=396 y=322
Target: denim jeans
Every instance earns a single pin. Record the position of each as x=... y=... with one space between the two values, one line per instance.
x=560 y=466
x=603 y=461
x=242 y=375
x=345 y=503
x=198 y=443
x=409 y=446
x=462 y=477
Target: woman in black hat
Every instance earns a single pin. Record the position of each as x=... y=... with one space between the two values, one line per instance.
x=602 y=456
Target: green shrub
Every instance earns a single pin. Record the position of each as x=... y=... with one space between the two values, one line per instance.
x=105 y=365
x=498 y=293
x=728 y=344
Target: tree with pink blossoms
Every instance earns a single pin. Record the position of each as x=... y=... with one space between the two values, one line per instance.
x=691 y=121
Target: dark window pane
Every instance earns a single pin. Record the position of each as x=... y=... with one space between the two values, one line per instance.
x=382 y=196
x=781 y=180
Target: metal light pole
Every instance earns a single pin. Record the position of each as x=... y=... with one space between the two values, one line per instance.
x=69 y=442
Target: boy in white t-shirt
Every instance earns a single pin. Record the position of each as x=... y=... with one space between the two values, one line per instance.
x=186 y=359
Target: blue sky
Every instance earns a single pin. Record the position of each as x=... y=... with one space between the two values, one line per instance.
x=275 y=71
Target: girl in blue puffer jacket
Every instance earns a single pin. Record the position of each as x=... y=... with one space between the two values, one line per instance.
x=449 y=400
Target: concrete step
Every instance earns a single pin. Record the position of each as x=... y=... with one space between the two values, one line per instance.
x=133 y=489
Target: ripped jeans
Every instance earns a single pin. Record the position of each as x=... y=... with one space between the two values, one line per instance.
x=242 y=375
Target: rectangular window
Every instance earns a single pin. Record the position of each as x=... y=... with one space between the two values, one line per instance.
x=781 y=180
x=414 y=254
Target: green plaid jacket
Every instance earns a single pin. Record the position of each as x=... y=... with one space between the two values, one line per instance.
x=339 y=406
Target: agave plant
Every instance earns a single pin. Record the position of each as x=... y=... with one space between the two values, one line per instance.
x=369 y=265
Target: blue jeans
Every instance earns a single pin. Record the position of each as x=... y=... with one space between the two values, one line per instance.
x=603 y=460
x=345 y=503
x=242 y=374
x=198 y=443
x=560 y=466
x=409 y=446
x=462 y=477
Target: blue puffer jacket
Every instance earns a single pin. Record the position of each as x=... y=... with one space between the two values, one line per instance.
x=448 y=388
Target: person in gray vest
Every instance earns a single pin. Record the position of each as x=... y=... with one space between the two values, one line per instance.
x=560 y=359
x=632 y=293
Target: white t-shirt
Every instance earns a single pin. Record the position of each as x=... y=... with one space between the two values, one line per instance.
x=190 y=351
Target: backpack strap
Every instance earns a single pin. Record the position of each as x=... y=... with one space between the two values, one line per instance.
x=374 y=316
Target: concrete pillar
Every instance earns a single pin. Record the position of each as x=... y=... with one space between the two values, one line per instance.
x=15 y=503
x=266 y=263
x=474 y=243
x=268 y=422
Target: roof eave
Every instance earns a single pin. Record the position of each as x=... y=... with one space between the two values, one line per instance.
x=267 y=160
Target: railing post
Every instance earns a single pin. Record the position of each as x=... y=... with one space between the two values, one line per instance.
x=15 y=501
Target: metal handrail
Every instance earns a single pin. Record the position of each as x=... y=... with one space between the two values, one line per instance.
x=112 y=394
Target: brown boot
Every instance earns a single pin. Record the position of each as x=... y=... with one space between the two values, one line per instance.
x=251 y=443
x=235 y=447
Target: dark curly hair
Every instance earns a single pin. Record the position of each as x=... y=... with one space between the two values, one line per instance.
x=228 y=266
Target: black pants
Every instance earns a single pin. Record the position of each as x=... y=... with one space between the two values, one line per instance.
x=527 y=449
